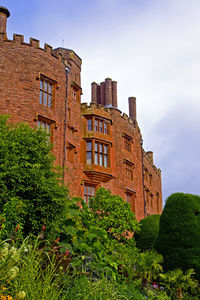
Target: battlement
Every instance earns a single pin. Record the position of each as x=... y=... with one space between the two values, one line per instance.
x=149 y=157
x=34 y=43
x=94 y=108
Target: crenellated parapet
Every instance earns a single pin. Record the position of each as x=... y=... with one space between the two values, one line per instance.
x=149 y=157
x=34 y=43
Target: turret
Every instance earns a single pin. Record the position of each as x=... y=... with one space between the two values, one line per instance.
x=4 y=14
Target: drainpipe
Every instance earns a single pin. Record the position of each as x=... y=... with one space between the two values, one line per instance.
x=67 y=70
x=141 y=142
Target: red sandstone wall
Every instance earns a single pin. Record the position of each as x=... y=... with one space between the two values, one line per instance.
x=21 y=65
x=153 y=188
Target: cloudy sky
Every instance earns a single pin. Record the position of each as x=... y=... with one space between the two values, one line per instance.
x=152 y=49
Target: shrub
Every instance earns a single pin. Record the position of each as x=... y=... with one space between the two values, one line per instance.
x=179 y=235
x=149 y=228
x=113 y=214
x=30 y=193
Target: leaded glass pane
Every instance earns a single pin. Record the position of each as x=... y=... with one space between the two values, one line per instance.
x=40 y=100
x=105 y=128
x=43 y=125
x=96 y=125
x=48 y=128
x=101 y=148
x=96 y=147
x=100 y=126
x=105 y=149
x=49 y=101
x=41 y=84
x=89 y=124
x=92 y=191
x=50 y=88
x=101 y=159
x=105 y=160
x=45 y=86
x=85 y=190
x=89 y=190
x=45 y=99
x=89 y=146
x=96 y=158
x=89 y=158
x=39 y=124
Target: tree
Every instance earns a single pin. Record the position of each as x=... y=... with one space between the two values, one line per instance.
x=179 y=235
x=113 y=214
x=30 y=194
x=149 y=228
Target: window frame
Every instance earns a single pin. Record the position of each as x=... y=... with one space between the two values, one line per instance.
x=130 y=198
x=127 y=143
x=99 y=152
x=98 y=125
x=48 y=123
x=89 y=192
x=129 y=166
x=50 y=93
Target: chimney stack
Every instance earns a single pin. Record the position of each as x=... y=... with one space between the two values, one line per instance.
x=114 y=93
x=4 y=14
x=105 y=93
x=94 y=92
x=102 y=93
x=108 y=91
x=132 y=108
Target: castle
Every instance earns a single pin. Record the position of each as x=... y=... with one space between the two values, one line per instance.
x=95 y=144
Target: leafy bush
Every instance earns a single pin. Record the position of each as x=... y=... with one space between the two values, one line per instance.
x=30 y=193
x=113 y=214
x=149 y=228
x=179 y=236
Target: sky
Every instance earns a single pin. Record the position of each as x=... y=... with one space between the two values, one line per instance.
x=152 y=49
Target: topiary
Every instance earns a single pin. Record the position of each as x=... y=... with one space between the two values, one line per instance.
x=149 y=228
x=179 y=233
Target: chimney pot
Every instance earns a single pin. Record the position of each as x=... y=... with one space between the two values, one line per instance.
x=108 y=91
x=132 y=108
x=114 y=94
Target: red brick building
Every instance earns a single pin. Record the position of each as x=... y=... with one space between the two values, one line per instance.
x=96 y=144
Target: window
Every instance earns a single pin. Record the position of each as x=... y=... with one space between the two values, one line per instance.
x=130 y=198
x=127 y=143
x=89 y=191
x=46 y=92
x=101 y=126
x=97 y=153
x=71 y=151
x=89 y=124
x=129 y=170
x=89 y=153
x=101 y=154
x=45 y=125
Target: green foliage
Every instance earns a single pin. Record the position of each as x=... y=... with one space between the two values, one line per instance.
x=113 y=214
x=176 y=282
x=179 y=236
x=85 y=288
x=30 y=193
x=149 y=228
x=30 y=271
